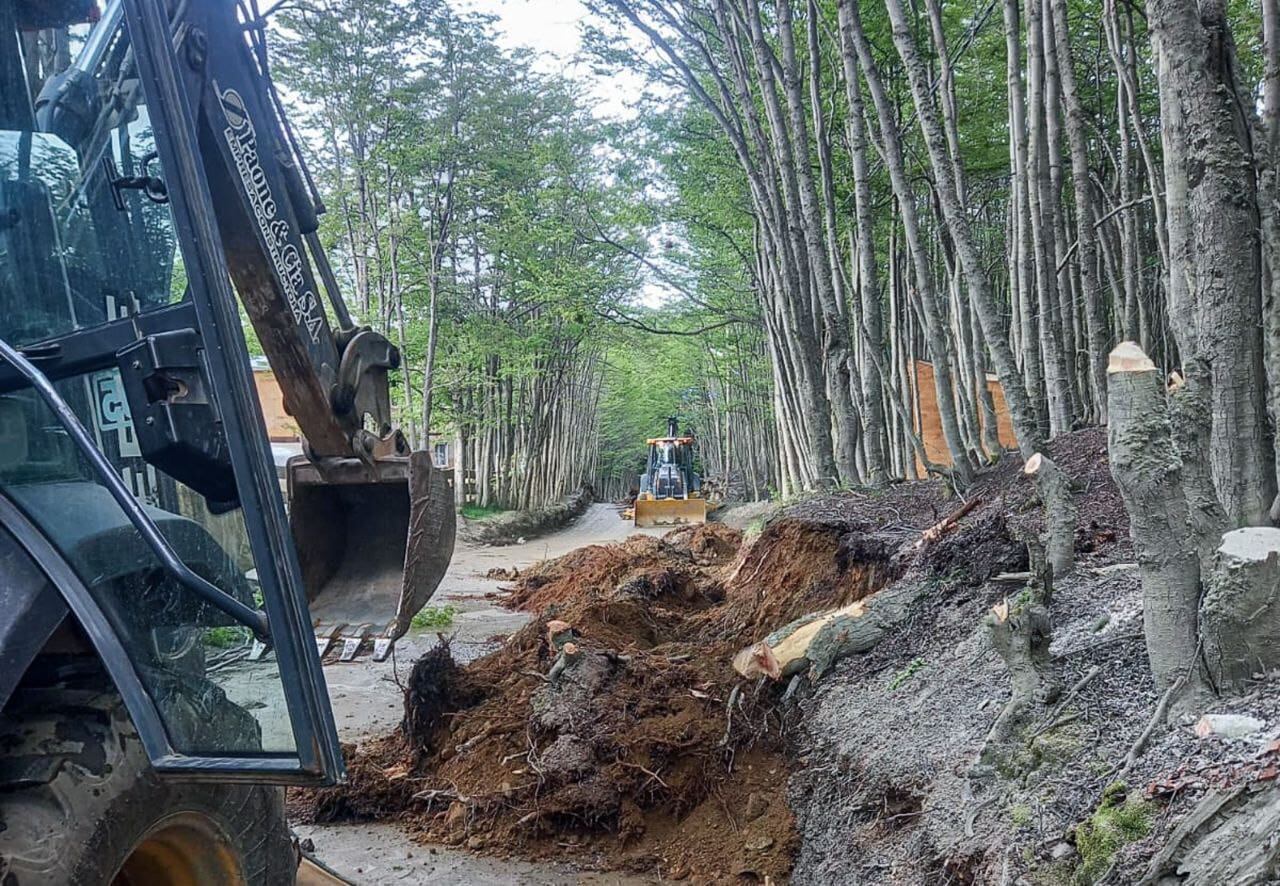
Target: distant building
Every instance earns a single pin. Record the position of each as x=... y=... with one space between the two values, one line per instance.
x=286 y=436
x=282 y=430
x=441 y=452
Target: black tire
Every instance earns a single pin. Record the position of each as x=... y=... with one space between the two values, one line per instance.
x=78 y=796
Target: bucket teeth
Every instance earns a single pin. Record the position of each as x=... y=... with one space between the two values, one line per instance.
x=326 y=634
x=382 y=647
x=352 y=642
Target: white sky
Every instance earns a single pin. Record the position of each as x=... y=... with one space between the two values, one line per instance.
x=550 y=29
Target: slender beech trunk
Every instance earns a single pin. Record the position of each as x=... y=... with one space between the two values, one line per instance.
x=954 y=212
x=1077 y=124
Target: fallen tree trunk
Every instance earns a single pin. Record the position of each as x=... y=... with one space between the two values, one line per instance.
x=813 y=643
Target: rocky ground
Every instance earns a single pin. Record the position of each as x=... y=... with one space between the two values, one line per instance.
x=614 y=730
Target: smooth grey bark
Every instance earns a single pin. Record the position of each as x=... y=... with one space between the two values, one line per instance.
x=1268 y=162
x=1189 y=420
x=1077 y=138
x=1148 y=472
x=1039 y=187
x=931 y=309
x=1059 y=538
x=847 y=412
x=953 y=210
x=872 y=326
x=1021 y=265
x=791 y=140
x=803 y=424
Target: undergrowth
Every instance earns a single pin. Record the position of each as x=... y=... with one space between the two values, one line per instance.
x=434 y=617
x=481 y=512
x=916 y=665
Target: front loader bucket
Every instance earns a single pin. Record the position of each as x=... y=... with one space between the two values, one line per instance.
x=670 y=511
x=373 y=542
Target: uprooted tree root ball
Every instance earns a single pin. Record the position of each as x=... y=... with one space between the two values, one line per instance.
x=603 y=729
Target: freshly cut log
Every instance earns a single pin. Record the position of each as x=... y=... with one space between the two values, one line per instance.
x=813 y=643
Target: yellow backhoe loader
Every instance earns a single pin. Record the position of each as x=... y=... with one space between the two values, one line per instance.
x=670 y=492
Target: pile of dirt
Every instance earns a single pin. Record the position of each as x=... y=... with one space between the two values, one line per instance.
x=614 y=730
x=603 y=730
x=797 y=566
x=709 y=544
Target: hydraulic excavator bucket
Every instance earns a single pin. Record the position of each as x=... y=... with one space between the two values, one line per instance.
x=670 y=511
x=373 y=543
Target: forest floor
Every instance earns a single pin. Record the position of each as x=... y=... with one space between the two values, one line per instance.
x=612 y=730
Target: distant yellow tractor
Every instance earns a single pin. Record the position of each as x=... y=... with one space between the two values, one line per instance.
x=670 y=492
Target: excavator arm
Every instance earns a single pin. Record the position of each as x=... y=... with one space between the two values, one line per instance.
x=372 y=521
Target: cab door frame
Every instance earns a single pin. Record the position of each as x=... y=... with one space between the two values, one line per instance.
x=319 y=756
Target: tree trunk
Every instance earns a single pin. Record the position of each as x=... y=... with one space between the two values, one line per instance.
x=1146 y=468
x=1077 y=137
x=1060 y=513
x=1209 y=159
x=961 y=234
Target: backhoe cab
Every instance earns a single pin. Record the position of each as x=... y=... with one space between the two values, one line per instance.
x=670 y=492
x=157 y=659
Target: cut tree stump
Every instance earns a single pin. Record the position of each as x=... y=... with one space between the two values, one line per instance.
x=1148 y=472
x=1021 y=633
x=1240 y=611
x=1059 y=512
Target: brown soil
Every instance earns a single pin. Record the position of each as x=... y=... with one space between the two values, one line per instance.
x=599 y=731
x=613 y=729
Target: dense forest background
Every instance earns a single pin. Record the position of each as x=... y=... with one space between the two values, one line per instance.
x=819 y=193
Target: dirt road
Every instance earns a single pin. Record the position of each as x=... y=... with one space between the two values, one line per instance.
x=367 y=701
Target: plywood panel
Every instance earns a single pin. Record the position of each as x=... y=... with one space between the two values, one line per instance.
x=929 y=423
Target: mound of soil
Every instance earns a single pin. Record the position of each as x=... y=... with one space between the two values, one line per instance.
x=797 y=566
x=599 y=731
x=613 y=729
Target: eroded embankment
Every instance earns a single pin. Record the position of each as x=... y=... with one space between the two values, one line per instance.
x=613 y=728
x=517 y=526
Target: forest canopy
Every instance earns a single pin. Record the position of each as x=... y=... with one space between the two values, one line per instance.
x=808 y=203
